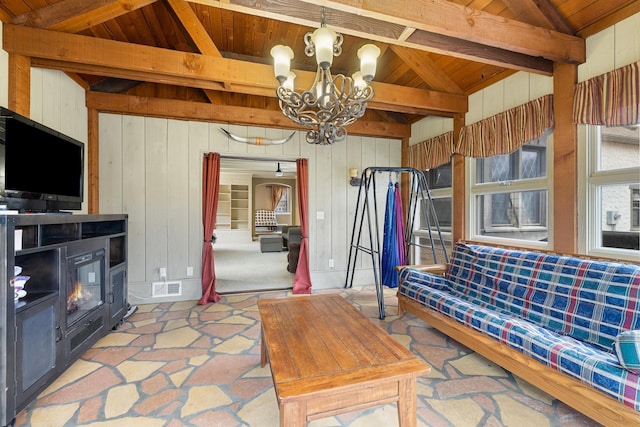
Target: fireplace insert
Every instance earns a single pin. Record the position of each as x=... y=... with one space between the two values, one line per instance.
x=85 y=284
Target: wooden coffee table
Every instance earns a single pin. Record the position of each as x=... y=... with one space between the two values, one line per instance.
x=328 y=358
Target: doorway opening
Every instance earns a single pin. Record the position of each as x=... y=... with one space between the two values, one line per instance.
x=249 y=185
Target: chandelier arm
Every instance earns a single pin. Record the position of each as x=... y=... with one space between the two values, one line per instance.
x=332 y=102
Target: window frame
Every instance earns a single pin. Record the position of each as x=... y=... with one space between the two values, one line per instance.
x=419 y=231
x=635 y=210
x=590 y=241
x=475 y=190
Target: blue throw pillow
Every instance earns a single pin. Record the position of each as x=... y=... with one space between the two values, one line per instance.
x=627 y=347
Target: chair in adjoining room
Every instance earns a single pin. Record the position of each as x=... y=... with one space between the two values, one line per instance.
x=292 y=257
x=291 y=234
x=266 y=226
x=265 y=221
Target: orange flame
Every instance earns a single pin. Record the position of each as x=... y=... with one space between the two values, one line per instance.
x=76 y=297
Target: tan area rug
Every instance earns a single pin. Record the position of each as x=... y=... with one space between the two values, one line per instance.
x=242 y=267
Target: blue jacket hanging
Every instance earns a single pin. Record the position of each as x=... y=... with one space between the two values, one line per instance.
x=390 y=255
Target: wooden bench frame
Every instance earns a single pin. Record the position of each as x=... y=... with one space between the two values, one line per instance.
x=578 y=395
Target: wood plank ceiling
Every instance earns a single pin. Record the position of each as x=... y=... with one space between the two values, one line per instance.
x=187 y=56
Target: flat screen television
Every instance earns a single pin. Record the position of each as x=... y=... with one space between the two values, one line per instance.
x=41 y=170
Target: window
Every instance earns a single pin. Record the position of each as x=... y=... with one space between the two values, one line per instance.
x=284 y=206
x=510 y=194
x=440 y=184
x=612 y=191
x=635 y=207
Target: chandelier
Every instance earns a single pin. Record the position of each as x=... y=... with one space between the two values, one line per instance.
x=332 y=102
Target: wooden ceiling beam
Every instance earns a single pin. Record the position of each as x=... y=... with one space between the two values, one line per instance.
x=188 y=110
x=76 y=15
x=187 y=19
x=541 y=13
x=73 y=16
x=379 y=20
x=451 y=19
x=193 y=28
x=90 y=55
x=472 y=51
x=426 y=69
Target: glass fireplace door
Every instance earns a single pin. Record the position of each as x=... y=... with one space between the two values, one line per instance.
x=85 y=287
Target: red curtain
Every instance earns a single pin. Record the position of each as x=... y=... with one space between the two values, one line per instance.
x=210 y=191
x=302 y=280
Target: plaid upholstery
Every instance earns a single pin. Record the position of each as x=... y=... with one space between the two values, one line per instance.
x=627 y=348
x=265 y=218
x=562 y=311
x=592 y=301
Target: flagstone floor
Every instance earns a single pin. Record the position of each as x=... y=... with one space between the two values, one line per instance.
x=180 y=364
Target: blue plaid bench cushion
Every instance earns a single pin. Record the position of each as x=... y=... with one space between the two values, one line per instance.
x=570 y=356
x=592 y=301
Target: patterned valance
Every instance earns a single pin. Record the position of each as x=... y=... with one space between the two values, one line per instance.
x=432 y=152
x=611 y=99
x=507 y=131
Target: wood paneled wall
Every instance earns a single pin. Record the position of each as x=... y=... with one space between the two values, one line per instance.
x=151 y=169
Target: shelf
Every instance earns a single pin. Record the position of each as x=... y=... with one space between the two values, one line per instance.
x=102 y=228
x=117 y=251
x=29 y=236
x=52 y=234
x=233 y=205
x=67 y=229
x=32 y=299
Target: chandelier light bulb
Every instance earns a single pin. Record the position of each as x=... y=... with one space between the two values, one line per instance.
x=358 y=80
x=368 y=55
x=323 y=39
x=289 y=83
x=282 y=56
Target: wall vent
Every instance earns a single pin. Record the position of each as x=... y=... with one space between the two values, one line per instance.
x=166 y=289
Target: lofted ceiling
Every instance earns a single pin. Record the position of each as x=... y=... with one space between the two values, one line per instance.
x=209 y=57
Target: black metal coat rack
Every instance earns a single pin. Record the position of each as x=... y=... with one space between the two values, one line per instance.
x=367 y=208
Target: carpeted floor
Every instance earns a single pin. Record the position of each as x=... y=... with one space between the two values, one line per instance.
x=181 y=364
x=241 y=267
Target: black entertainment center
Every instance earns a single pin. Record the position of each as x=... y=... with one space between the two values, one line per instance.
x=63 y=277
